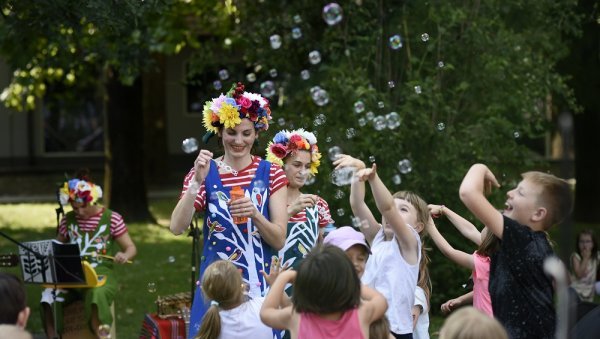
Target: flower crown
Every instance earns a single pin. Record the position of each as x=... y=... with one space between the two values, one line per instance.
x=79 y=191
x=229 y=110
x=287 y=142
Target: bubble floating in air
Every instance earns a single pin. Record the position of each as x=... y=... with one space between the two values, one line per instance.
x=396 y=179
x=189 y=145
x=275 y=40
x=251 y=77
x=305 y=74
x=404 y=166
x=395 y=42
x=314 y=57
x=296 y=33
x=273 y=73
x=392 y=120
x=267 y=88
x=359 y=106
x=332 y=13
x=424 y=37
x=333 y=152
x=281 y=121
x=379 y=123
x=217 y=85
x=418 y=89
x=223 y=74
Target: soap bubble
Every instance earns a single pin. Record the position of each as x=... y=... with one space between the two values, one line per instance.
x=350 y=133
x=396 y=179
x=296 y=33
x=440 y=64
x=379 y=123
x=251 y=77
x=341 y=212
x=305 y=74
x=217 y=85
x=171 y=259
x=418 y=89
x=189 y=145
x=267 y=88
x=391 y=84
x=314 y=57
x=440 y=126
x=151 y=287
x=372 y=158
x=297 y=19
x=223 y=74
x=424 y=37
x=332 y=13
x=273 y=73
x=404 y=166
x=339 y=194
x=362 y=122
x=281 y=121
x=321 y=97
x=370 y=115
x=359 y=106
x=333 y=152
x=392 y=120
x=275 y=40
x=227 y=41
x=395 y=42
x=517 y=135
x=104 y=331
x=381 y=104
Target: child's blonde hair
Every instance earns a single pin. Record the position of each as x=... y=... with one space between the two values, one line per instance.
x=420 y=206
x=555 y=195
x=222 y=284
x=469 y=323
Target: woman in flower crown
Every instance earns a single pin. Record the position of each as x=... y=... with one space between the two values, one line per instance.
x=297 y=152
x=96 y=230
x=246 y=231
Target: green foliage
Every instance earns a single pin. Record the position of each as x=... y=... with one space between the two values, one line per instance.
x=479 y=89
x=75 y=43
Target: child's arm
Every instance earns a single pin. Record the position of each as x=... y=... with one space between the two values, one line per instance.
x=373 y=305
x=459 y=257
x=270 y=313
x=476 y=182
x=465 y=227
x=357 y=197
x=276 y=269
x=409 y=244
x=452 y=304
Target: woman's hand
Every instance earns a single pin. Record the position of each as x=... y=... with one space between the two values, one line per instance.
x=202 y=164
x=121 y=258
x=344 y=160
x=242 y=207
x=303 y=201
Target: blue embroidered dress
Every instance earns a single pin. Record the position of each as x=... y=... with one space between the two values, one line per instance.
x=241 y=244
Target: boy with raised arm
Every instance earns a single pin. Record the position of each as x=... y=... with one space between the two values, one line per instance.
x=521 y=292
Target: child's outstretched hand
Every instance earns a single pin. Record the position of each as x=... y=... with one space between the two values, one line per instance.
x=489 y=182
x=275 y=270
x=367 y=173
x=344 y=160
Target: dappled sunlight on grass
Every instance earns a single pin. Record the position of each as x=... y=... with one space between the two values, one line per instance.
x=163 y=259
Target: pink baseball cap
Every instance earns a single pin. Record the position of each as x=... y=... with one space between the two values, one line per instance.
x=345 y=237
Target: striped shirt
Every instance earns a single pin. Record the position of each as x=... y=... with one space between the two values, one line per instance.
x=277 y=180
x=117 y=225
x=324 y=214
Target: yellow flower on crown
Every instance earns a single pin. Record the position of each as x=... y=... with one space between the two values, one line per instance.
x=208 y=117
x=229 y=116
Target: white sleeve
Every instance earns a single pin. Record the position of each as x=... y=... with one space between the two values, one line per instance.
x=420 y=299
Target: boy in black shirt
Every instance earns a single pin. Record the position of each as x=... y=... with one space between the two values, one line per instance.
x=521 y=293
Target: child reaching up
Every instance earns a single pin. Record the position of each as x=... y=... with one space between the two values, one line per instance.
x=478 y=262
x=393 y=268
x=328 y=300
x=521 y=293
x=231 y=314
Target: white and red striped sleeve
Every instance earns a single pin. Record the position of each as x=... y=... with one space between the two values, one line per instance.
x=277 y=178
x=324 y=213
x=117 y=225
x=200 y=201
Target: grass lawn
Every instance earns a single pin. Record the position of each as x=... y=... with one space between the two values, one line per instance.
x=157 y=248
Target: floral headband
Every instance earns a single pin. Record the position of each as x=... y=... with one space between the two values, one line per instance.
x=287 y=142
x=79 y=191
x=229 y=110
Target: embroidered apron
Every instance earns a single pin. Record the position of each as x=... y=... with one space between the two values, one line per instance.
x=241 y=244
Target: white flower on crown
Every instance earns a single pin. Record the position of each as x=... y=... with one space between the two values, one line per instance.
x=257 y=97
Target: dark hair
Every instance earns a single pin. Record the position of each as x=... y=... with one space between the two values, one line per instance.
x=594 y=242
x=12 y=294
x=83 y=174
x=326 y=282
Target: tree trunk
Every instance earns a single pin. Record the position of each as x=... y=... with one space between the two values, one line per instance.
x=125 y=158
x=584 y=66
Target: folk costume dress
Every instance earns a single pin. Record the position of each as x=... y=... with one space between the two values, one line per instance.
x=303 y=232
x=240 y=244
x=95 y=235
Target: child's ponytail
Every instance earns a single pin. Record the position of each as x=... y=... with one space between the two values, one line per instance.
x=222 y=284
